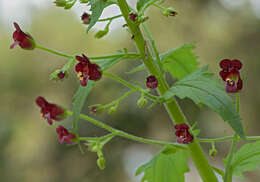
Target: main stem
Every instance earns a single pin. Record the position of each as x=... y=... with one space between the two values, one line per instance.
x=196 y=152
x=228 y=170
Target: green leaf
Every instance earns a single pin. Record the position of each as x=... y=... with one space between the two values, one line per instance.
x=201 y=88
x=79 y=100
x=247 y=158
x=97 y=7
x=181 y=61
x=165 y=167
x=144 y=4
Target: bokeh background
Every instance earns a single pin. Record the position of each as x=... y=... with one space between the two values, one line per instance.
x=29 y=148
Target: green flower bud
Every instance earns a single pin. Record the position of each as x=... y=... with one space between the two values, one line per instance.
x=142 y=102
x=101 y=163
x=169 y=12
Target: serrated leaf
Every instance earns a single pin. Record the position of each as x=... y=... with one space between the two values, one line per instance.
x=201 y=88
x=142 y=3
x=247 y=158
x=165 y=167
x=97 y=7
x=181 y=61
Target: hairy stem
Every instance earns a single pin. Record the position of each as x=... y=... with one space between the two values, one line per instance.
x=126 y=135
x=228 y=170
x=197 y=155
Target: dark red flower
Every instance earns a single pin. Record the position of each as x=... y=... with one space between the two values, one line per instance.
x=183 y=134
x=151 y=82
x=133 y=16
x=49 y=111
x=61 y=75
x=86 y=70
x=94 y=109
x=22 y=39
x=230 y=74
x=85 y=18
x=65 y=135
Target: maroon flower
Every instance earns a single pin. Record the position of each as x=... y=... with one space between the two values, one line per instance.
x=94 y=109
x=230 y=74
x=183 y=134
x=85 y=18
x=151 y=82
x=86 y=70
x=61 y=75
x=65 y=135
x=22 y=39
x=49 y=111
x=133 y=16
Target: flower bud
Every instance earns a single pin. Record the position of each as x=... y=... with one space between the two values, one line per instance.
x=101 y=163
x=169 y=12
x=60 y=3
x=112 y=109
x=151 y=82
x=85 y=18
x=142 y=102
x=133 y=16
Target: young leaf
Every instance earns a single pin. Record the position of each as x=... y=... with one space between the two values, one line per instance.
x=79 y=100
x=181 y=61
x=97 y=7
x=201 y=88
x=247 y=158
x=165 y=167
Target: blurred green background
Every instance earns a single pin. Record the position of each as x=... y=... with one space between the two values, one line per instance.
x=30 y=150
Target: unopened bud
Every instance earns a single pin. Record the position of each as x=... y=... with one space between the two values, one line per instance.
x=101 y=163
x=142 y=102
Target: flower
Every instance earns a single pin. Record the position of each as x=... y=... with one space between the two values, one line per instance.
x=50 y=111
x=169 y=12
x=61 y=75
x=183 y=134
x=22 y=39
x=86 y=70
x=65 y=135
x=133 y=16
x=85 y=18
x=230 y=74
x=151 y=82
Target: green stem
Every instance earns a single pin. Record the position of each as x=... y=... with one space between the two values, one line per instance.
x=223 y=139
x=201 y=162
x=126 y=55
x=152 y=42
x=54 y=51
x=132 y=86
x=127 y=135
x=228 y=170
x=126 y=94
x=110 y=18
